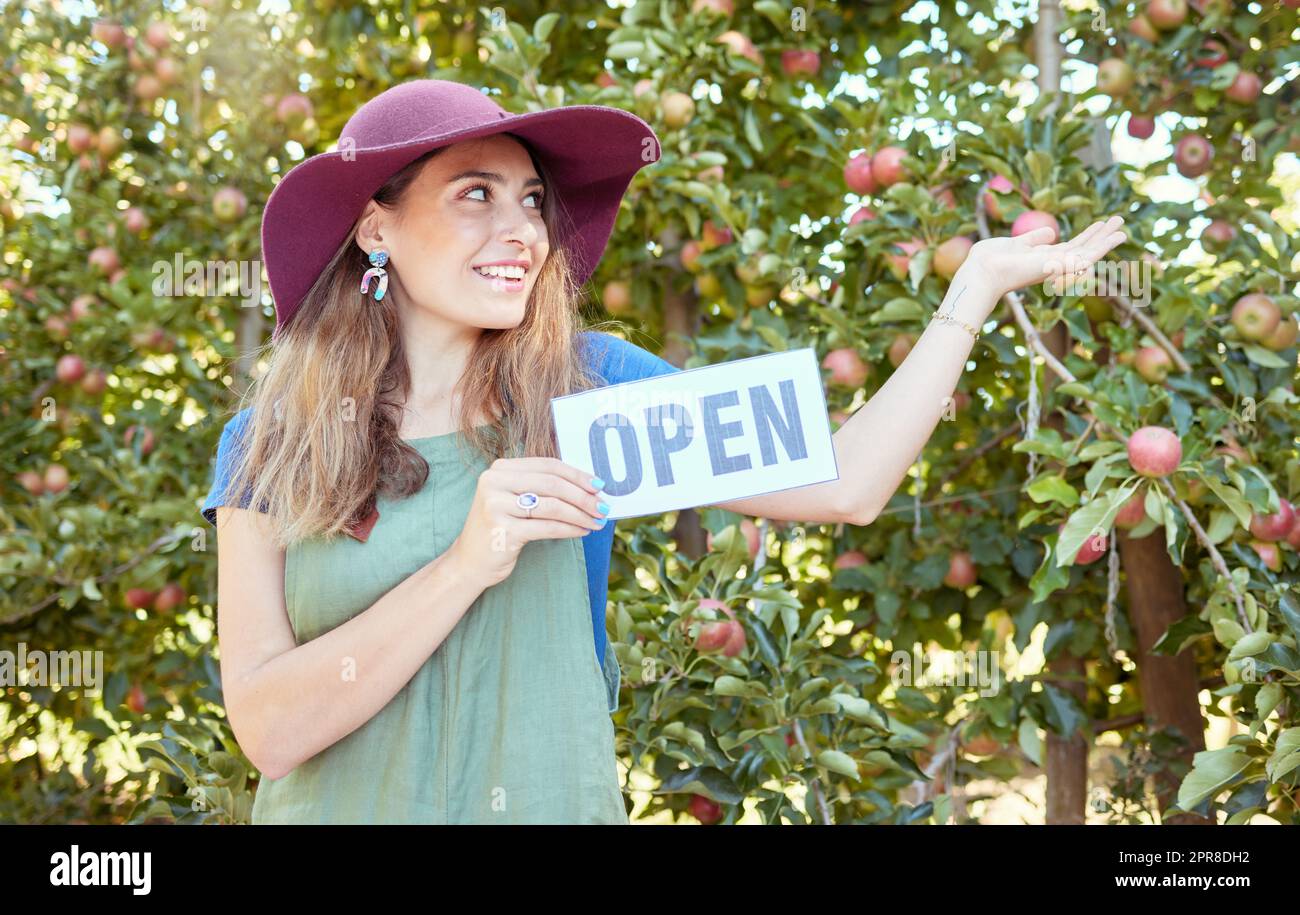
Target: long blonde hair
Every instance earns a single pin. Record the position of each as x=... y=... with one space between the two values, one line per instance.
x=322 y=441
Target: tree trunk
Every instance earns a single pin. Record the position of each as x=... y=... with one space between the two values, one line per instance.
x=681 y=317
x=1168 y=684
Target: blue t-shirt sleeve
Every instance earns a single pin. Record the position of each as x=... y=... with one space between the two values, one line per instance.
x=227 y=455
x=616 y=360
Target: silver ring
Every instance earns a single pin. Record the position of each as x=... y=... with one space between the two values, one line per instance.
x=527 y=501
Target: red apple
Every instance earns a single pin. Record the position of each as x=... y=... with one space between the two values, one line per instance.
x=1269 y=554
x=642 y=86
x=1132 y=513
x=1002 y=185
x=139 y=598
x=1212 y=53
x=167 y=70
x=146 y=441
x=1218 y=235
x=605 y=79
x=109 y=141
x=1153 y=363
x=1255 y=316
x=108 y=33
x=900 y=264
x=1141 y=127
x=945 y=196
x=677 y=109
x=1166 y=14
x=846 y=367
x=157 y=35
x=857 y=175
x=1093 y=548
x=617 y=296
x=1141 y=26
x=800 y=63
x=136 y=700
x=861 y=214
x=95 y=382
x=105 y=260
x=80 y=138
x=1154 y=451
x=69 y=369
x=887 y=166
x=147 y=87
x=1275 y=526
x=1114 y=77
x=56 y=478
x=1245 y=88
x=961 y=571
x=1293 y=536
x=135 y=220
x=294 y=108
x=725 y=7
x=850 y=560
x=1193 y=155
x=739 y=43
x=169 y=598
x=713 y=235
x=690 y=254
x=229 y=203
x=899 y=348
x=1285 y=335
x=749 y=529
x=950 y=255
x=706 y=811
x=1034 y=219
x=31 y=481
x=56 y=327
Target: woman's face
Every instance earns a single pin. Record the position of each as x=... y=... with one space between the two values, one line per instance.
x=477 y=203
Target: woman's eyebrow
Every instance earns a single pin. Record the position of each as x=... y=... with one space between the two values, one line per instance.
x=493 y=177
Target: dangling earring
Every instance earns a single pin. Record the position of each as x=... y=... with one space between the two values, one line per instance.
x=377 y=258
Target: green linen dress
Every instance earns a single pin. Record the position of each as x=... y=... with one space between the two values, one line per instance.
x=507 y=722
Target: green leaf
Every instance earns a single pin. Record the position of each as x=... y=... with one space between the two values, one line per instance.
x=859 y=710
x=751 y=130
x=840 y=763
x=1053 y=489
x=1252 y=643
x=1094 y=518
x=1040 y=167
x=624 y=50
x=1269 y=695
x=1212 y=770
x=898 y=309
x=1286 y=754
x=542 y=27
x=1265 y=357
x=1230 y=497
x=1030 y=743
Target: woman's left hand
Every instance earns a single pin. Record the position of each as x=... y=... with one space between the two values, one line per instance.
x=1006 y=264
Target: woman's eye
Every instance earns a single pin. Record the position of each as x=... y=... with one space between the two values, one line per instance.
x=539 y=196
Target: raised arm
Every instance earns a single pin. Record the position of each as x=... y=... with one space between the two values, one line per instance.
x=881 y=440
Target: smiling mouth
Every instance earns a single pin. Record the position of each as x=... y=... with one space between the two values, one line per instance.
x=503 y=283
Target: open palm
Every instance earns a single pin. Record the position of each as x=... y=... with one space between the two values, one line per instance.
x=1008 y=263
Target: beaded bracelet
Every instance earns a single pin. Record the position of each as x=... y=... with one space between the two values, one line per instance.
x=949 y=319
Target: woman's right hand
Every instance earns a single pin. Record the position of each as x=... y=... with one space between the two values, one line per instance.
x=496 y=528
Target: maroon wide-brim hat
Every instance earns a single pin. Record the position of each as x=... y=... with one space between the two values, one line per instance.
x=590 y=151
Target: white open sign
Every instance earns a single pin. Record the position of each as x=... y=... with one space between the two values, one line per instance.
x=701 y=436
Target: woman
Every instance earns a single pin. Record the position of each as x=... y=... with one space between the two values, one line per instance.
x=435 y=664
